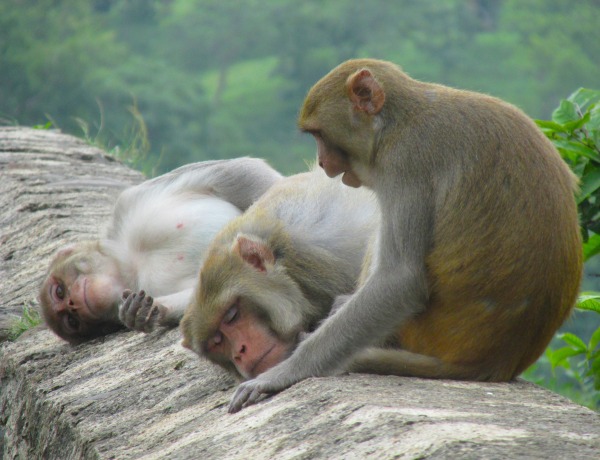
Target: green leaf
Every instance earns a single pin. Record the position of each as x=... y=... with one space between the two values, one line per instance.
x=576 y=124
x=595 y=134
x=583 y=96
x=590 y=182
x=566 y=112
x=578 y=148
x=551 y=125
x=47 y=125
x=591 y=247
x=589 y=301
x=594 y=340
x=575 y=342
x=559 y=357
x=594 y=122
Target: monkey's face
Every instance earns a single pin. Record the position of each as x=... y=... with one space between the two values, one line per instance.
x=81 y=294
x=342 y=112
x=241 y=340
x=245 y=314
x=335 y=161
x=244 y=341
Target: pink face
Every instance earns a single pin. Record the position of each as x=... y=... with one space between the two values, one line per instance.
x=243 y=339
x=81 y=294
x=87 y=298
x=334 y=163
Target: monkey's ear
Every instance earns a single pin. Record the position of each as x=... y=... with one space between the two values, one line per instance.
x=255 y=253
x=65 y=251
x=365 y=92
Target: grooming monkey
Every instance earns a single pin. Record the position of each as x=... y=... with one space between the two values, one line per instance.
x=273 y=273
x=478 y=258
x=155 y=243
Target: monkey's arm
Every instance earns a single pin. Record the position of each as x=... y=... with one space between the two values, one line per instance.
x=370 y=315
x=239 y=181
x=141 y=312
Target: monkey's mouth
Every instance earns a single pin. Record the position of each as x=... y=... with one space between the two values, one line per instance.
x=85 y=299
x=256 y=369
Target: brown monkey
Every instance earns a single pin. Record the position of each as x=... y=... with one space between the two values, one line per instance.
x=273 y=273
x=478 y=258
x=156 y=240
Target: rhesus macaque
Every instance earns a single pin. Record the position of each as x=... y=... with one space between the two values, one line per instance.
x=477 y=261
x=156 y=240
x=272 y=274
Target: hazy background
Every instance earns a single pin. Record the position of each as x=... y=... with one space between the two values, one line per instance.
x=220 y=79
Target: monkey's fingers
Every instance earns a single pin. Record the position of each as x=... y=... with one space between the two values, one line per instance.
x=143 y=313
x=131 y=307
x=248 y=393
x=124 y=308
x=254 y=397
x=241 y=396
x=152 y=319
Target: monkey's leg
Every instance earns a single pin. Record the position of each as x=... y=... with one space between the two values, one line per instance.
x=390 y=361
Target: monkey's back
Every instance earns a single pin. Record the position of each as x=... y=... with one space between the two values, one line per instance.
x=505 y=261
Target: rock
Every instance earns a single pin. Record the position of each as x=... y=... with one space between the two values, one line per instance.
x=130 y=395
x=54 y=189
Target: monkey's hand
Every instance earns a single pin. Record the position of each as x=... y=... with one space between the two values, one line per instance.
x=139 y=312
x=272 y=381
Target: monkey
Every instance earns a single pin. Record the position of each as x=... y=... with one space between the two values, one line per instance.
x=477 y=260
x=271 y=275
x=154 y=244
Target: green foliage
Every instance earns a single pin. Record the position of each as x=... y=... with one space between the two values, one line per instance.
x=135 y=147
x=214 y=79
x=47 y=125
x=574 y=363
x=30 y=319
x=580 y=360
x=575 y=131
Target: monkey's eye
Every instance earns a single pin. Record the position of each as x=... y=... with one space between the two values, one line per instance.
x=72 y=322
x=231 y=315
x=59 y=291
x=218 y=338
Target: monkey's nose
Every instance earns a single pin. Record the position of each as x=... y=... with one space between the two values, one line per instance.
x=240 y=353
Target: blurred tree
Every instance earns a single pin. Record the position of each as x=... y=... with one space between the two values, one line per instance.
x=558 y=47
x=48 y=51
x=218 y=79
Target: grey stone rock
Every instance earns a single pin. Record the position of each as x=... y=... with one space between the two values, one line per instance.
x=136 y=396
x=54 y=189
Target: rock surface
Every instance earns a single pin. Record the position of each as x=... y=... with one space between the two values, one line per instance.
x=54 y=189
x=133 y=396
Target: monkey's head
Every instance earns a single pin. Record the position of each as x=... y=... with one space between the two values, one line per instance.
x=81 y=293
x=246 y=314
x=346 y=111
